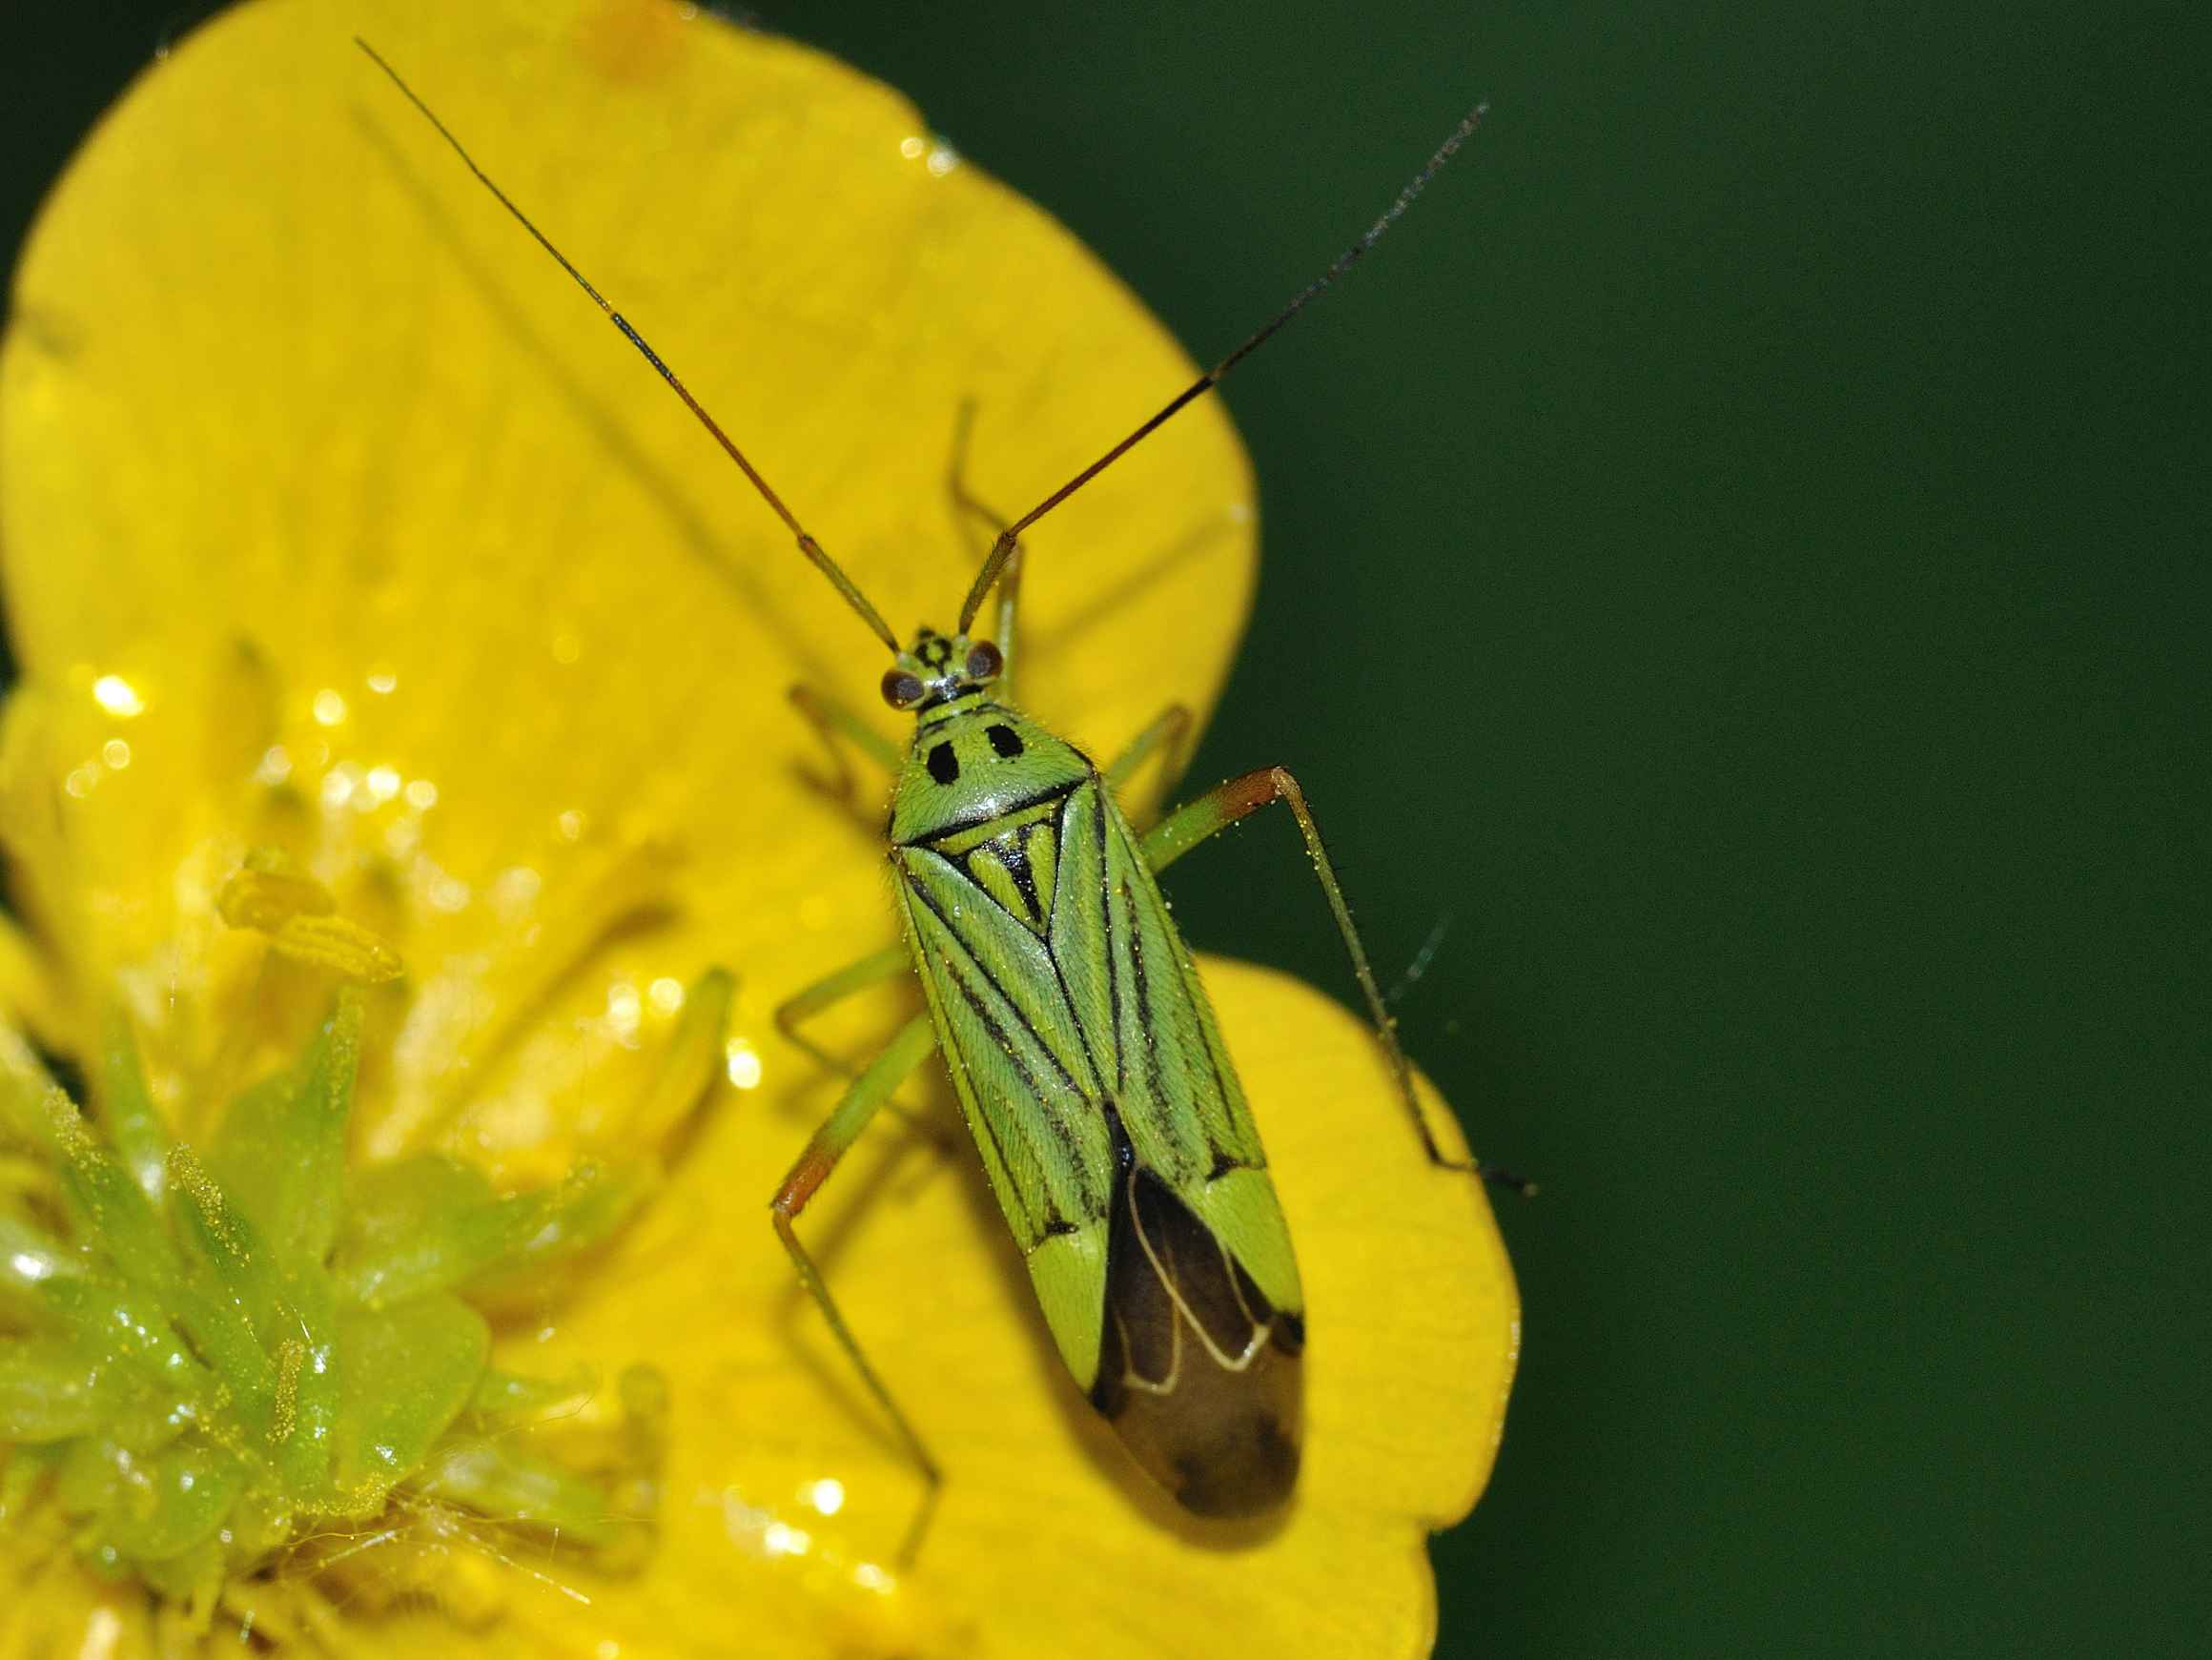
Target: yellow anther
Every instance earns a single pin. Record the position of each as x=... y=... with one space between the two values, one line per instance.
x=271 y=890
x=274 y=897
x=346 y=949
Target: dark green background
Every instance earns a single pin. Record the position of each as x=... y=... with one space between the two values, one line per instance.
x=1738 y=555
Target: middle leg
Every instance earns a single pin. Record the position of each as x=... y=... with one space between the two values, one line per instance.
x=1168 y=734
x=832 y=988
x=870 y=1091
x=1214 y=811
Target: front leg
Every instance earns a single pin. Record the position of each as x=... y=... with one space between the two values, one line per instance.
x=1222 y=805
x=1169 y=734
x=831 y=990
x=839 y=728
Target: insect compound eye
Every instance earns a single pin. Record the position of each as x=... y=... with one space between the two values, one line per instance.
x=984 y=662
x=901 y=689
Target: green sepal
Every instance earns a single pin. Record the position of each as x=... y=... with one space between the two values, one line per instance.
x=51 y=1387
x=127 y=1110
x=502 y=1480
x=507 y=1395
x=432 y=1223
x=29 y=1259
x=148 y=1509
x=285 y=1363
x=311 y=1369
x=106 y=1203
x=231 y=1321
x=418 y=1225
x=556 y=1224
x=246 y=1153
x=280 y=1152
x=133 y=1329
x=409 y=1371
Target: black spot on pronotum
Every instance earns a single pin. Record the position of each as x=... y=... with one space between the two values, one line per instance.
x=944 y=764
x=1005 y=740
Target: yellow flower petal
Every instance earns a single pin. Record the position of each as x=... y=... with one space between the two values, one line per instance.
x=341 y=410
x=330 y=502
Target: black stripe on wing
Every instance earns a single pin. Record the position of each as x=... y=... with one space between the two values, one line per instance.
x=1198 y=1374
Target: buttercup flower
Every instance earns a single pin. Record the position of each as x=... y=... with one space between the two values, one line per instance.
x=384 y=624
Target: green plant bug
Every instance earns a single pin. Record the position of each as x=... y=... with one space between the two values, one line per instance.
x=1080 y=1044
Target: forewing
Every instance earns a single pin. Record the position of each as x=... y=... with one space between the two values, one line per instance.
x=1018 y=1063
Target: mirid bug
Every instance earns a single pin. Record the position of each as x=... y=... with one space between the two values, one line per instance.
x=1079 y=1042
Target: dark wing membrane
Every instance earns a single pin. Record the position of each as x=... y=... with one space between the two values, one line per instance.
x=1198 y=1373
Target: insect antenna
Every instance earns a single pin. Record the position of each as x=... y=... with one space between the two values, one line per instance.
x=807 y=545
x=1002 y=549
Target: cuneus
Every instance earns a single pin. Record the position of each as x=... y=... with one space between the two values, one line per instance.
x=1080 y=1044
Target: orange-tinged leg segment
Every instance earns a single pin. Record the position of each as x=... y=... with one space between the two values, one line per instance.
x=1222 y=805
